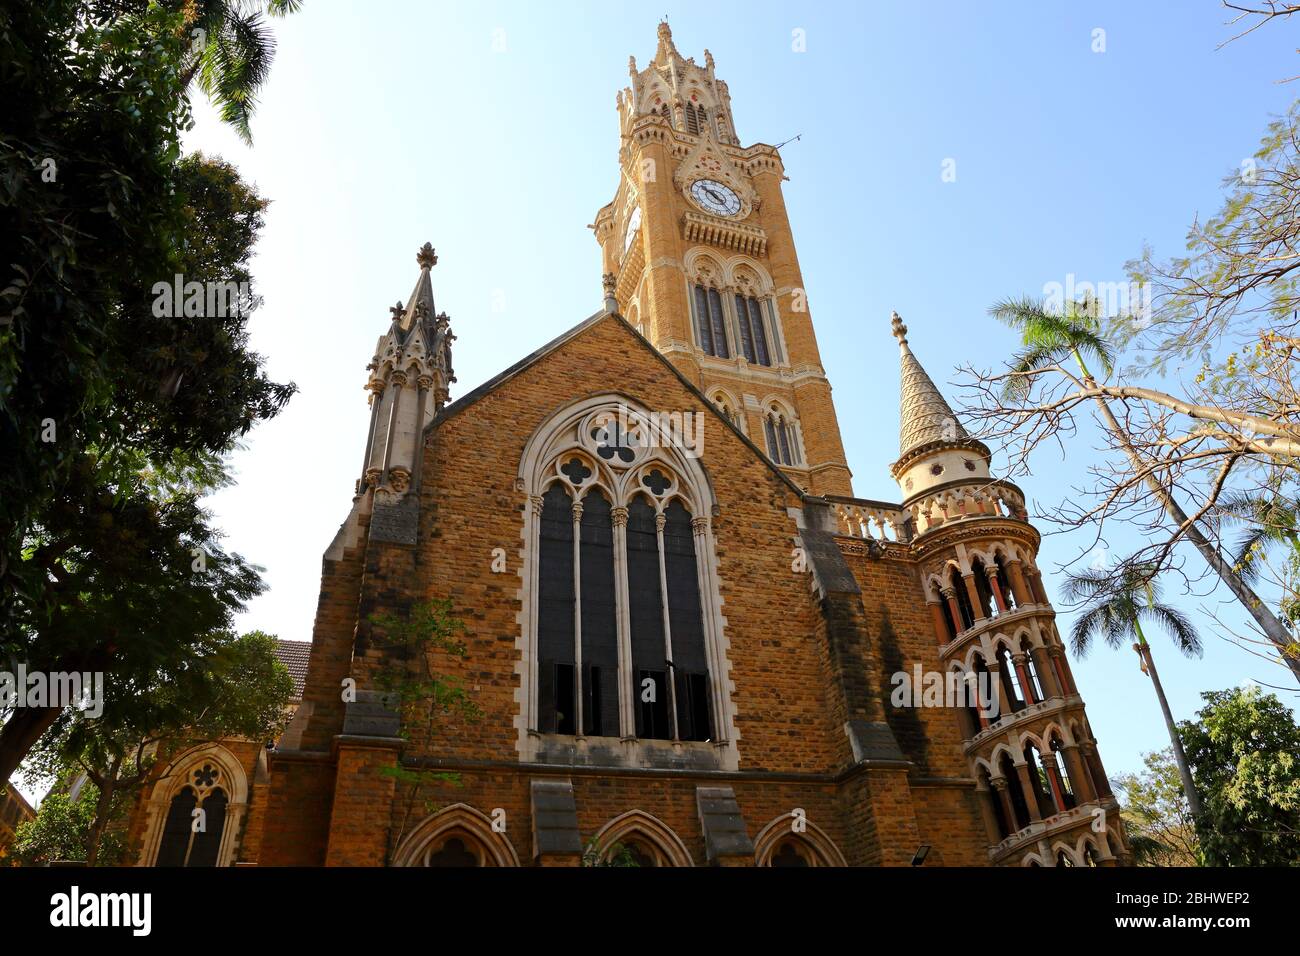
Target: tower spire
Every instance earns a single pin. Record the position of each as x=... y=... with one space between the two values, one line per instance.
x=925 y=416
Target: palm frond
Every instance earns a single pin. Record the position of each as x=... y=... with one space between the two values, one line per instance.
x=1177 y=625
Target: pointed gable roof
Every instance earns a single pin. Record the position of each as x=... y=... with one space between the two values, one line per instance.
x=473 y=396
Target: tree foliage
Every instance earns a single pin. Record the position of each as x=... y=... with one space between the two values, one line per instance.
x=1156 y=815
x=114 y=414
x=1244 y=749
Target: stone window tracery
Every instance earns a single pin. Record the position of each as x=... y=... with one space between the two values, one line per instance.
x=782 y=436
x=625 y=636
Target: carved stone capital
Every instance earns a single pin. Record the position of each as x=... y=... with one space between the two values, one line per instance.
x=619 y=517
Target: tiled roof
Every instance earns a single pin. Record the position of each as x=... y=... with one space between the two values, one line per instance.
x=925 y=416
x=294 y=655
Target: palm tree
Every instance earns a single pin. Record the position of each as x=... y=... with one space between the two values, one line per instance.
x=231 y=54
x=1115 y=603
x=1052 y=339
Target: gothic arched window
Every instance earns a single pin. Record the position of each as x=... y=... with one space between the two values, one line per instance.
x=710 y=325
x=692 y=121
x=195 y=822
x=782 y=441
x=753 y=330
x=621 y=633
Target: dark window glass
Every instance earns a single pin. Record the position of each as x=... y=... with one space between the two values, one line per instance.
x=566 y=709
x=207 y=844
x=769 y=429
x=686 y=620
x=702 y=327
x=718 y=324
x=453 y=853
x=176 y=830
x=692 y=122
x=788 y=855
x=599 y=637
x=774 y=346
x=645 y=613
x=555 y=607
x=742 y=323
x=757 y=328
x=652 y=705
x=783 y=433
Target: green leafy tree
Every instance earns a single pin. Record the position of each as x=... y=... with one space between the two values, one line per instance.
x=236 y=688
x=411 y=678
x=230 y=53
x=113 y=417
x=58 y=832
x=1244 y=749
x=613 y=854
x=1159 y=822
x=1115 y=604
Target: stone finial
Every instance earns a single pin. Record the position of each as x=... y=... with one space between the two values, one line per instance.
x=665 y=31
x=397 y=311
x=426 y=257
x=898 y=328
x=609 y=283
x=708 y=59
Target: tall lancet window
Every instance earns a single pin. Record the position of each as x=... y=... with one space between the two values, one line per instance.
x=710 y=324
x=623 y=633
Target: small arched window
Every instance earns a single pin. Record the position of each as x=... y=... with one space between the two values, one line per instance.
x=782 y=441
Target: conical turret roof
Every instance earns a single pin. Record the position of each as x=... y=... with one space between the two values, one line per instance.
x=925 y=416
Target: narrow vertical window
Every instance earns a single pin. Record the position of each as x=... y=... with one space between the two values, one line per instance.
x=702 y=326
x=769 y=430
x=207 y=842
x=692 y=121
x=175 y=844
x=769 y=310
x=783 y=433
x=686 y=624
x=742 y=324
x=758 y=330
x=718 y=324
x=649 y=670
x=556 y=710
x=599 y=637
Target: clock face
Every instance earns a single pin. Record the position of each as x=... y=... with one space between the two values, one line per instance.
x=715 y=197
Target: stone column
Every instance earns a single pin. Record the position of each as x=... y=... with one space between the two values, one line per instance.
x=626 y=703
x=1019 y=587
x=579 y=728
x=1026 y=685
x=996 y=587
x=1080 y=782
x=1027 y=788
x=1000 y=784
x=954 y=611
x=1046 y=673
x=936 y=619
x=976 y=604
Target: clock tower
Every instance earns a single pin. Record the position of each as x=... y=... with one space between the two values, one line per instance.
x=698 y=256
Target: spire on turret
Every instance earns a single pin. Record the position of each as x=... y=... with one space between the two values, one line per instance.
x=410 y=377
x=666 y=50
x=925 y=415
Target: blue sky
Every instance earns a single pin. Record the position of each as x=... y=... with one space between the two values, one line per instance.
x=490 y=130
